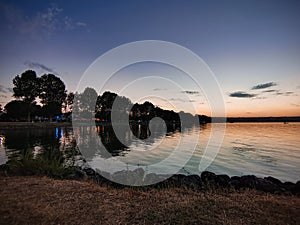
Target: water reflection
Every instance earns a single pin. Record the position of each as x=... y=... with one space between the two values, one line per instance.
x=259 y=149
x=109 y=141
x=47 y=143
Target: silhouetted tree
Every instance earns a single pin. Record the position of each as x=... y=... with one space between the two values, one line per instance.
x=52 y=92
x=52 y=89
x=51 y=109
x=26 y=88
x=17 y=110
x=86 y=102
x=104 y=105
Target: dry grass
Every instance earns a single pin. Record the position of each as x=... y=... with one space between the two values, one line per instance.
x=42 y=200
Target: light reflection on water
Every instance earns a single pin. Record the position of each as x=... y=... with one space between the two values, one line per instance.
x=262 y=149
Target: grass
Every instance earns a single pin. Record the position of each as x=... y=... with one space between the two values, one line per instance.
x=51 y=165
x=43 y=200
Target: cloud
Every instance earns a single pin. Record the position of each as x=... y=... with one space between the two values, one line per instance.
x=177 y=100
x=4 y=89
x=297 y=105
x=81 y=24
x=259 y=98
x=159 y=89
x=268 y=91
x=191 y=92
x=263 y=86
x=3 y=96
x=241 y=94
x=48 y=21
x=287 y=93
x=39 y=66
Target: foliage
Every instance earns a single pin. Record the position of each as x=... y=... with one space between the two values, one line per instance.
x=26 y=86
x=51 y=109
x=17 y=109
x=49 y=164
x=86 y=102
x=51 y=89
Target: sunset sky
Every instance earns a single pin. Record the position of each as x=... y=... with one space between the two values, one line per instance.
x=252 y=47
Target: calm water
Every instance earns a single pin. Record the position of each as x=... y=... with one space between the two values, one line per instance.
x=262 y=149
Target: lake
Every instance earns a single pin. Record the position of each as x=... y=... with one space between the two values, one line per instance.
x=261 y=149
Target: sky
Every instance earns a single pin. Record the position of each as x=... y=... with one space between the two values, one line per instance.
x=252 y=48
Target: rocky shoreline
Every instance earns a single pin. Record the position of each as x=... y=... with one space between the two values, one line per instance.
x=205 y=181
x=138 y=178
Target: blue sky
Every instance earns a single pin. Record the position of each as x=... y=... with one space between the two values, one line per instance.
x=245 y=43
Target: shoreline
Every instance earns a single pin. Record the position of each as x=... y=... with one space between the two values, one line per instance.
x=205 y=181
x=12 y=125
x=9 y=125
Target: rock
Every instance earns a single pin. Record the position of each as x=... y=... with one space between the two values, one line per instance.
x=209 y=180
x=128 y=177
x=89 y=171
x=223 y=180
x=155 y=179
x=248 y=181
x=274 y=180
x=192 y=181
x=207 y=176
x=76 y=174
x=296 y=189
x=289 y=186
x=267 y=186
x=235 y=182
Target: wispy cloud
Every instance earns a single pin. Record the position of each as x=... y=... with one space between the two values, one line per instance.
x=159 y=89
x=257 y=97
x=81 y=24
x=191 y=92
x=297 y=105
x=39 y=66
x=4 y=89
x=177 y=99
x=287 y=93
x=241 y=94
x=269 y=91
x=48 y=21
x=3 y=96
x=263 y=86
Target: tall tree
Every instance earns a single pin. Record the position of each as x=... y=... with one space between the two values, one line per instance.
x=104 y=105
x=52 y=89
x=26 y=88
x=87 y=102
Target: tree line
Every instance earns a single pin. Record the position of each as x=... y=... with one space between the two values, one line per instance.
x=46 y=98
x=35 y=96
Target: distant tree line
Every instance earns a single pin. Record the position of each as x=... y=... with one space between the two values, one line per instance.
x=91 y=105
x=46 y=98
